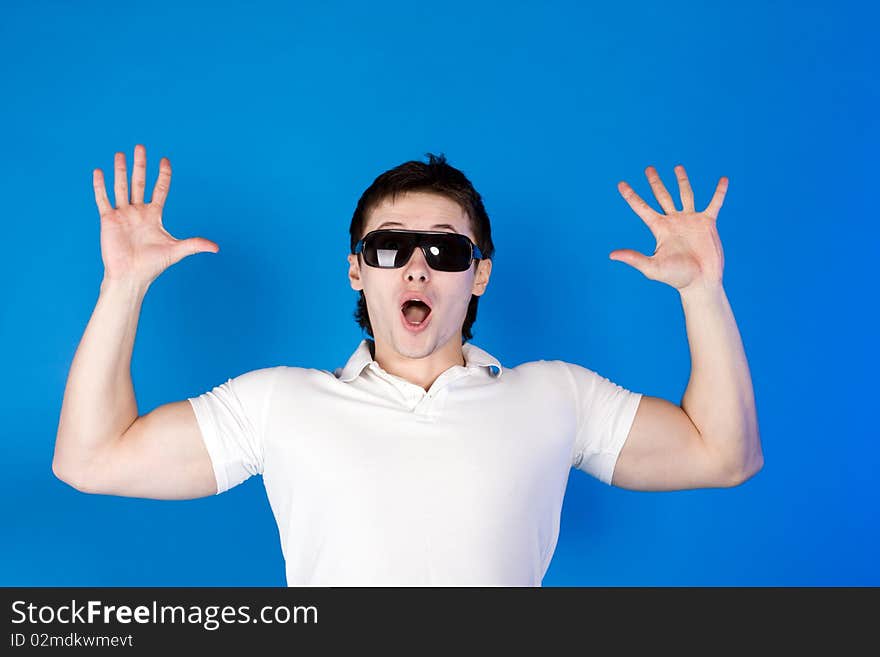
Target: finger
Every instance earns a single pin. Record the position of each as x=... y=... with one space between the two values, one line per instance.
x=714 y=206
x=163 y=182
x=120 y=180
x=660 y=192
x=645 y=211
x=101 y=192
x=634 y=259
x=684 y=189
x=196 y=245
x=139 y=174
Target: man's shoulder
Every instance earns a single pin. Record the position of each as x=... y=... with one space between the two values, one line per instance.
x=543 y=363
x=542 y=368
x=294 y=371
x=269 y=375
x=556 y=369
x=302 y=375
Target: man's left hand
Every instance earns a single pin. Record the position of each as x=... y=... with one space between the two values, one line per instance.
x=688 y=252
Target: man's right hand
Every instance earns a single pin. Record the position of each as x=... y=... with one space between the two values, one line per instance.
x=134 y=245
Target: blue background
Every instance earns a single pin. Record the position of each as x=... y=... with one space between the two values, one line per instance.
x=276 y=117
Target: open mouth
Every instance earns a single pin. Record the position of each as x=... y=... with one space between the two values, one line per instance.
x=415 y=312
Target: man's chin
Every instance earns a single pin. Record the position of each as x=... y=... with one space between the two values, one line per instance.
x=415 y=346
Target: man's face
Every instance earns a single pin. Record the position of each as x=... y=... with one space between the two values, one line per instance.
x=449 y=293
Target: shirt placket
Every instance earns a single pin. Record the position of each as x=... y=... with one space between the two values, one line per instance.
x=425 y=405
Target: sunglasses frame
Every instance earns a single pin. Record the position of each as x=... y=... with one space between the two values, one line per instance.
x=476 y=254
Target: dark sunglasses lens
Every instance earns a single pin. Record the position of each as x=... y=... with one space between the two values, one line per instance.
x=388 y=250
x=448 y=252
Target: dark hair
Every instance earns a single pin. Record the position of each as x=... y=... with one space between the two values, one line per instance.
x=436 y=177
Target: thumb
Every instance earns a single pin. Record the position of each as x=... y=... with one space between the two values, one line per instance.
x=632 y=258
x=196 y=245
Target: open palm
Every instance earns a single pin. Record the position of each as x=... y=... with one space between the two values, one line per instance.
x=688 y=251
x=134 y=244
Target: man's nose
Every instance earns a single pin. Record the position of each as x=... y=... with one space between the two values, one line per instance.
x=417 y=267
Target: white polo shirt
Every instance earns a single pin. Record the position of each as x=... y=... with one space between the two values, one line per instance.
x=374 y=481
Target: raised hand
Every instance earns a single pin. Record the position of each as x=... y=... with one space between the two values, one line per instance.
x=134 y=244
x=688 y=251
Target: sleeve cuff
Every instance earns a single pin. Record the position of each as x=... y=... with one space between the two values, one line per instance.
x=607 y=460
x=209 y=438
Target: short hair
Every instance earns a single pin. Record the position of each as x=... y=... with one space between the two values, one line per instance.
x=436 y=177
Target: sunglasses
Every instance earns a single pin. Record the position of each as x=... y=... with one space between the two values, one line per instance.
x=392 y=249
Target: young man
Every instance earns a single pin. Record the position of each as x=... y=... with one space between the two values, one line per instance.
x=421 y=461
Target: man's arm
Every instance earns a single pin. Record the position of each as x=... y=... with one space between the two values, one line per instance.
x=102 y=446
x=712 y=439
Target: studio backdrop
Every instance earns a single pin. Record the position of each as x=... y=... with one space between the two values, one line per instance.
x=277 y=115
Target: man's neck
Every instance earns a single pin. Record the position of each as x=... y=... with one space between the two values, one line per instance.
x=419 y=371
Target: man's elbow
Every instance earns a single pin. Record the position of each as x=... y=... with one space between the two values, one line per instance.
x=746 y=471
x=62 y=474
x=69 y=477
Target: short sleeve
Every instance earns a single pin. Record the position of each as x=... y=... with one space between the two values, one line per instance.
x=232 y=419
x=605 y=412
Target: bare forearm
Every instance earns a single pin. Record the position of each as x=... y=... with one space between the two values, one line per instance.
x=99 y=401
x=719 y=398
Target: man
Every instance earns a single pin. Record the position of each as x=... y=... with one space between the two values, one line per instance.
x=421 y=461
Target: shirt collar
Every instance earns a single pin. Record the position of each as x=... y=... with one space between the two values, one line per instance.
x=474 y=357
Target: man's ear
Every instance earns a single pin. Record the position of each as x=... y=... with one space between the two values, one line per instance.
x=481 y=280
x=354 y=272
